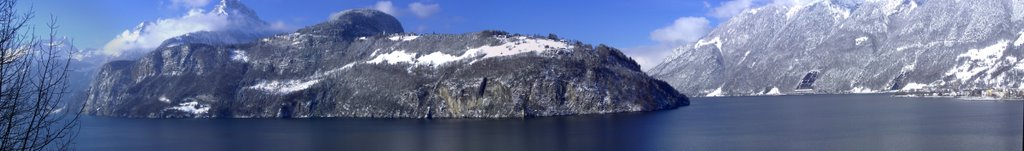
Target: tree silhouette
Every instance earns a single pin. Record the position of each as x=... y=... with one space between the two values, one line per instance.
x=33 y=81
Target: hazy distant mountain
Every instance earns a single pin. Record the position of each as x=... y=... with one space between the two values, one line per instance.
x=361 y=64
x=835 y=46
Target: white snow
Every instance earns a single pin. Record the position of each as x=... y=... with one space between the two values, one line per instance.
x=362 y=38
x=861 y=40
x=285 y=87
x=839 y=12
x=913 y=5
x=717 y=93
x=393 y=57
x=164 y=99
x=929 y=44
x=914 y=86
x=976 y=61
x=1020 y=40
x=753 y=10
x=774 y=91
x=436 y=58
x=239 y=55
x=716 y=41
x=744 y=57
x=793 y=10
x=910 y=67
x=403 y=37
x=347 y=66
x=890 y=7
x=1020 y=65
x=192 y=107
x=510 y=47
x=861 y=90
x=522 y=44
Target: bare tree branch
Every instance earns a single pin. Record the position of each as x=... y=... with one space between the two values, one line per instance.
x=33 y=83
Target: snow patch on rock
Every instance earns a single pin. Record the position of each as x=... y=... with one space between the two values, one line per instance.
x=862 y=90
x=774 y=91
x=403 y=37
x=510 y=46
x=164 y=99
x=239 y=55
x=914 y=86
x=713 y=41
x=519 y=45
x=393 y=57
x=744 y=58
x=191 y=107
x=861 y=40
x=717 y=93
x=1020 y=40
x=284 y=87
x=839 y=12
x=976 y=61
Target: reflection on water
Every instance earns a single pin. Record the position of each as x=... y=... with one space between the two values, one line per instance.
x=824 y=122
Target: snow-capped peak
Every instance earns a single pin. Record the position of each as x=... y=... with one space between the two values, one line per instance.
x=234 y=8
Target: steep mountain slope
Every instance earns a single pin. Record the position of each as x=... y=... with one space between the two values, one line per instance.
x=834 y=46
x=361 y=64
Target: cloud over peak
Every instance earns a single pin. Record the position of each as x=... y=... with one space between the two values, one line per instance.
x=149 y=35
x=424 y=10
x=386 y=7
x=683 y=30
x=189 y=3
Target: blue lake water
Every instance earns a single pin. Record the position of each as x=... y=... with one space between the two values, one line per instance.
x=815 y=122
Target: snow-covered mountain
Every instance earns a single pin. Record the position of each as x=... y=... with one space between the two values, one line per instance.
x=362 y=64
x=834 y=46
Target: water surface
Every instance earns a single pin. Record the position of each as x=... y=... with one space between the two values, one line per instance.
x=816 y=122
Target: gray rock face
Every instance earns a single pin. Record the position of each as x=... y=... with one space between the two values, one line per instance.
x=836 y=46
x=361 y=65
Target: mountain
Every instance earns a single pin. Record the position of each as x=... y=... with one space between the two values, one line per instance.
x=362 y=64
x=834 y=46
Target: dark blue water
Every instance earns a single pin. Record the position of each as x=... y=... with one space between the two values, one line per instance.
x=821 y=122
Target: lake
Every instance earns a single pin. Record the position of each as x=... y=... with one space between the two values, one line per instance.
x=813 y=122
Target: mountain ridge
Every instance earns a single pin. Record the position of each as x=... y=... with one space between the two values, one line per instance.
x=878 y=46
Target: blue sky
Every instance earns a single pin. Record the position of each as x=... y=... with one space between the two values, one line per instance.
x=626 y=25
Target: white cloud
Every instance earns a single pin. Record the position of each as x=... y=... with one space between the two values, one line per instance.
x=149 y=35
x=802 y=2
x=730 y=8
x=386 y=7
x=649 y=56
x=683 y=30
x=424 y=10
x=189 y=3
x=281 y=26
x=686 y=30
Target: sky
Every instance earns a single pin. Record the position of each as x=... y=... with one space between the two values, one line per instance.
x=647 y=30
